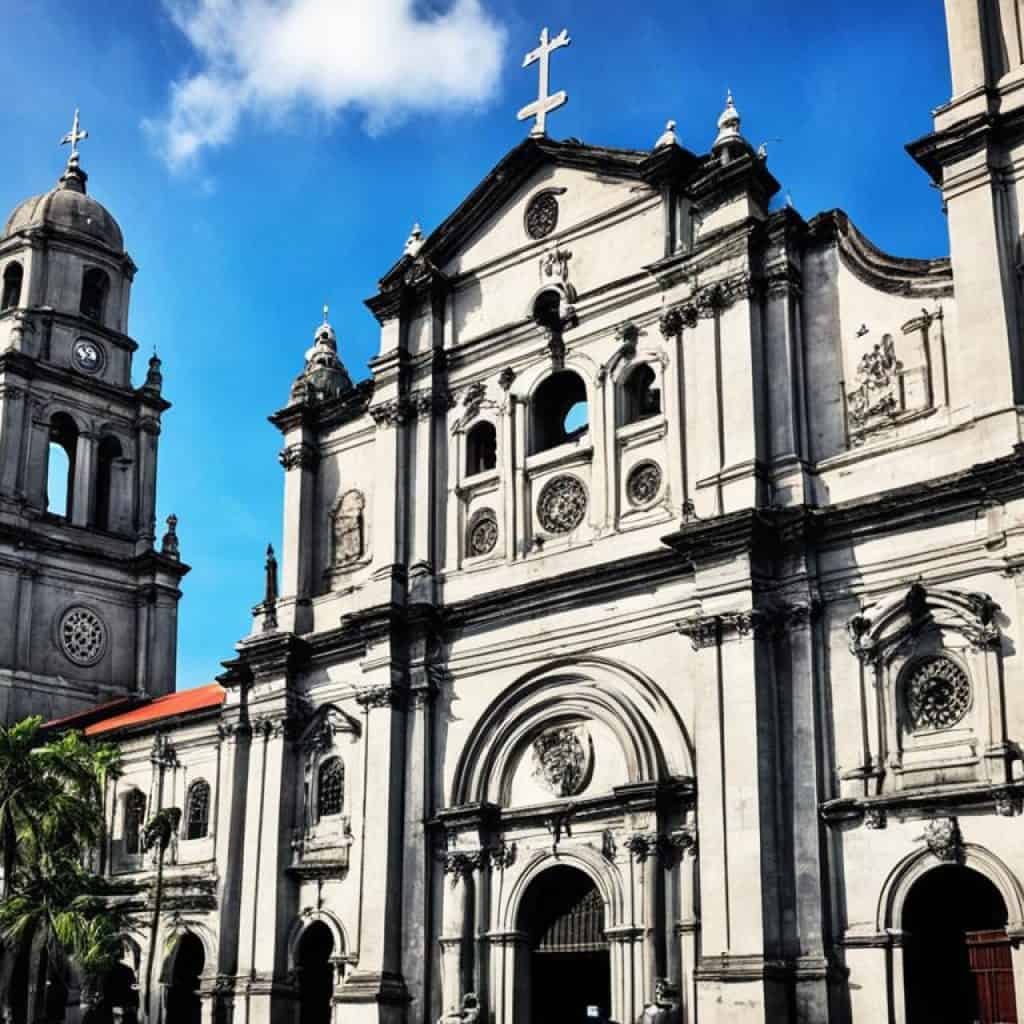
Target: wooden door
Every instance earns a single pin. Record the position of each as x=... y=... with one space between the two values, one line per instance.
x=991 y=965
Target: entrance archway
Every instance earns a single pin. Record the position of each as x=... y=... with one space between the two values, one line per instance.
x=957 y=965
x=562 y=914
x=316 y=974
x=183 y=1005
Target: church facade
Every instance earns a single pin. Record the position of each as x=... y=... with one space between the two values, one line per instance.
x=646 y=634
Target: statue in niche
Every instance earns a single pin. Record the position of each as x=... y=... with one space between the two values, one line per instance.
x=348 y=528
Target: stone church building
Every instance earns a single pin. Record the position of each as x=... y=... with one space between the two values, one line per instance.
x=648 y=625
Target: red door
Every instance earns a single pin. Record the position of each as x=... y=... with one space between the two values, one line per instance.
x=988 y=954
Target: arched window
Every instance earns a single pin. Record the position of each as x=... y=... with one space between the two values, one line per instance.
x=197 y=810
x=559 y=411
x=134 y=815
x=643 y=397
x=481 y=448
x=60 y=465
x=95 y=285
x=13 y=275
x=330 y=791
x=109 y=453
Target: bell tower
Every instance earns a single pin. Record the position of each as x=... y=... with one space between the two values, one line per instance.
x=89 y=603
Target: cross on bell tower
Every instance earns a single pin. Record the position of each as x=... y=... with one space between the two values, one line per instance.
x=544 y=104
x=74 y=137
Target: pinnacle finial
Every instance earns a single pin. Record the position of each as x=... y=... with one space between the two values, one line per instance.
x=728 y=125
x=668 y=136
x=414 y=242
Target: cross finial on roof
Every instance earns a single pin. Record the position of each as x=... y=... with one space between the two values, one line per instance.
x=544 y=104
x=74 y=137
x=326 y=312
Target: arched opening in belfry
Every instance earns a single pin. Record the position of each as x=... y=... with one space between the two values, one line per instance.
x=316 y=974
x=13 y=276
x=95 y=285
x=108 y=454
x=186 y=964
x=562 y=915
x=481 y=449
x=957 y=957
x=60 y=465
x=559 y=410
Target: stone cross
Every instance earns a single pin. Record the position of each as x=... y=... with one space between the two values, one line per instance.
x=544 y=104
x=75 y=136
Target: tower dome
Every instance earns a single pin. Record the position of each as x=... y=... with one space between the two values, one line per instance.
x=69 y=209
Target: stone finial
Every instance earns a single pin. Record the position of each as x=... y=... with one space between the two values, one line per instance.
x=154 y=378
x=668 y=136
x=728 y=126
x=414 y=242
x=270 y=591
x=169 y=545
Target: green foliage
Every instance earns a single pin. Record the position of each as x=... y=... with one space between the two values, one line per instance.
x=51 y=826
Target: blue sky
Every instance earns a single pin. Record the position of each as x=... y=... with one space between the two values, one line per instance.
x=266 y=156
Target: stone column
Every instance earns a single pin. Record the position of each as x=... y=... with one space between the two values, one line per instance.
x=83 y=498
x=451 y=940
x=299 y=458
x=13 y=401
x=674 y=401
x=147 y=442
x=508 y=454
x=519 y=410
x=510 y=977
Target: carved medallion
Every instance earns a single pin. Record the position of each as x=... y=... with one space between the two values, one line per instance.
x=82 y=636
x=483 y=532
x=541 y=215
x=643 y=483
x=937 y=694
x=562 y=504
x=563 y=759
x=942 y=837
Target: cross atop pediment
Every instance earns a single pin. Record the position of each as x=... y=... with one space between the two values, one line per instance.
x=544 y=104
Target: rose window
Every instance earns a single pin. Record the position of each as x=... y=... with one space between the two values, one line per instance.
x=643 y=483
x=562 y=504
x=483 y=532
x=83 y=637
x=938 y=694
x=541 y=215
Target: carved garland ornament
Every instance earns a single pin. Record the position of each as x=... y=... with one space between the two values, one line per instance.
x=937 y=693
x=562 y=504
x=83 y=636
x=482 y=534
x=643 y=483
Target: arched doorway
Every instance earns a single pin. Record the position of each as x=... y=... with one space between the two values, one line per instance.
x=569 y=966
x=183 y=988
x=316 y=974
x=120 y=993
x=957 y=965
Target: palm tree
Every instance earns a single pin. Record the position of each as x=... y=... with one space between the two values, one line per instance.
x=51 y=824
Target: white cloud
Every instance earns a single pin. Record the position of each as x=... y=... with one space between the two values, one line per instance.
x=385 y=58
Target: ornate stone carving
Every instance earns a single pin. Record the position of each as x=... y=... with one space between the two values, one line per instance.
x=348 y=528
x=381 y=697
x=562 y=504
x=937 y=694
x=82 y=635
x=298 y=456
x=643 y=483
x=942 y=837
x=398 y=410
x=169 y=545
x=874 y=817
x=703 y=630
x=665 y=1008
x=473 y=397
x=502 y=855
x=482 y=533
x=555 y=263
x=506 y=377
x=1007 y=802
x=875 y=401
x=560 y=824
x=462 y=863
x=541 y=215
x=563 y=759
x=640 y=845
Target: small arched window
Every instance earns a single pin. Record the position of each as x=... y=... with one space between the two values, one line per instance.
x=642 y=395
x=60 y=465
x=109 y=453
x=330 y=791
x=481 y=449
x=559 y=411
x=134 y=815
x=95 y=285
x=13 y=274
x=197 y=810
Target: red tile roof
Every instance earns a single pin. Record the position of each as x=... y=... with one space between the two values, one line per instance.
x=81 y=719
x=181 y=703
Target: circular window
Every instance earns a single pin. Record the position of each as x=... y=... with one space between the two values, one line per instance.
x=938 y=694
x=87 y=355
x=562 y=504
x=643 y=483
x=83 y=636
x=483 y=532
x=541 y=215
